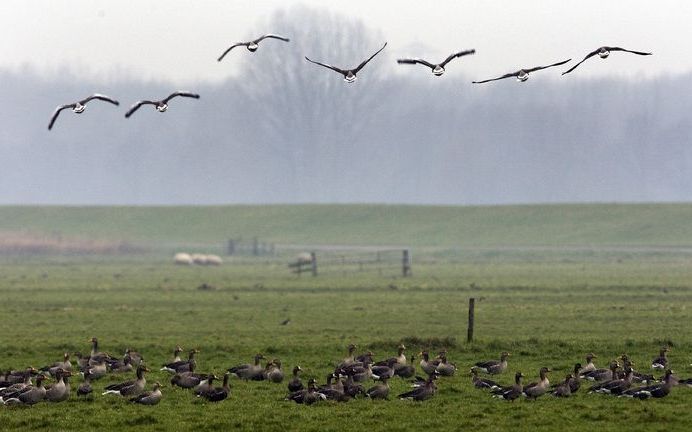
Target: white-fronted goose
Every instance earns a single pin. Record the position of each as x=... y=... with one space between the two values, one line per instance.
x=513 y=392
x=79 y=106
x=217 y=394
x=135 y=358
x=405 y=370
x=275 y=374
x=249 y=371
x=152 y=397
x=96 y=355
x=483 y=383
x=564 y=389
x=424 y=392
x=660 y=362
x=537 y=389
x=349 y=74
x=253 y=45
x=205 y=385
x=428 y=366
x=522 y=74
x=97 y=370
x=182 y=365
x=379 y=391
x=439 y=68
x=616 y=386
x=176 y=353
x=653 y=391
x=82 y=361
x=160 y=105
x=590 y=366
x=85 y=388
x=65 y=364
x=400 y=358
x=334 y=391
x=188 y=379
x=603 y=52
x=29 y=395
x=129 y=388
x=366 y=358
x=307 y=396
x=603 y=374
x=353 y=388
x=14 y=387
x=121 y=366
x=382 y=372
x=493 y=367
x=60 y=391
x=295 y=383
x=637 y=377
x=350 y=358
x=445 y=368
x=18 y=377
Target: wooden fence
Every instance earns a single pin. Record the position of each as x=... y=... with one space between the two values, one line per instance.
x=381 y=262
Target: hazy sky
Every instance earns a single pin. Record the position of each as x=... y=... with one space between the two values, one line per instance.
x=179 y=40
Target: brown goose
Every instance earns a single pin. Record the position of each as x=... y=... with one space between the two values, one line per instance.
x=97 y=370
x=129 y=388
x=615 y=386
x=295 y=383
x=13 y=387
x=603 y=374
x=493 y=367
x=275 y=374
x=603 y=52
x=135 y=358
x=366 y=358
x=428 y=366
x=445 y=368
x=307 y=396
x=152 y=397
x=536 y=389
x=205 y=385
x=60 y=391
x=379 y=391
x=513 y=392
x=182 y=365
x=85 y=388
x=350 y=358
x=564 y=389
x=424 y=392
x=217 y=394
x=79 y=106
x=96 y=355
x=121 y=366
x=589 y=364
x=522 y=74
x=188 y=379
x=65 y=364
x=656 y=390
x=253 y=45
x=637 y=377
x=160 y=105
x=16 y=377
x=439 y=68
x=660 y=362
x=483 y=383
x=353 y=388
x=400 y=358
x=82 y=361
x=248 y=371
x=176 y=353
x=349 y=74
x=29 y=395
x=405 y=370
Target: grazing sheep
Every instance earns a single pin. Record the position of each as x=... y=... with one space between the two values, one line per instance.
x=214 y=260
x=199 y=259
x=182 y=258
x=304 y=258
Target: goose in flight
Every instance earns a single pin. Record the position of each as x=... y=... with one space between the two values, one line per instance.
x=254 y=44
x=79 y=106
x=439 y=68
x=522 y=74
x=349 y=74
x=603 y=52
x=162 y=105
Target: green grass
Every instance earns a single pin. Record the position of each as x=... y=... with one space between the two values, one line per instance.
x=529 y=225
x=546 y=310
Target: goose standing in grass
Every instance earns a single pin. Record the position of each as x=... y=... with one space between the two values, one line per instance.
x=511 y=393
x=129 y=388
x=603 y=52
x=350 y=358
x=160 y=105
x=295 y=383
x=134 y=357
x=379 y=391
x=483 y=383
x=176 y=354
x=590 y=366
x=660 y=362
x=65 y=364
x=439 y=68
x=349 y=74
x=537 y=389
x=522 y=74
x=182 y=365
x=493 y=367
x=79 y=106
x=253 y=44
x=29 y=395
x=248 y=371
x=59 y=391
x=152 y=397
x=97 y=356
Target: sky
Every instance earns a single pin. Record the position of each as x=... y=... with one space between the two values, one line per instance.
x=179 y=40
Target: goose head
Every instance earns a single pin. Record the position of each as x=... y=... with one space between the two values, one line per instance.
x=252 y=47
x=603 y=53
x=350 y=77
x=438 y=70
x=522 y=75
x=78 y=108
x=161 y=107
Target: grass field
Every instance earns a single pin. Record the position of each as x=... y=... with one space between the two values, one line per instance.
x=547 y=308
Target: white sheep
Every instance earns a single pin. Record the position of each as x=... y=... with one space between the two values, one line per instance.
x=214 y=260
x=182 y=258
x=304 y=258
x=199 y=259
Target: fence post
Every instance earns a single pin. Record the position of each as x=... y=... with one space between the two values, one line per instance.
x=230 y=249
x=472 y=304
x=313 y=262
x=406 y=263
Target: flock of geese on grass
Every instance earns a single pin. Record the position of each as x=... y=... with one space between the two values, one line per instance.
x=348 y=380
x=350 y=75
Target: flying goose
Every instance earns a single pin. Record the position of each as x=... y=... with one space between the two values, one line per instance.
x=254 y=44
x=295 y=383
x=60 y=391
x=64 y=365
x=439 y=68
x=129 y=388
x=181 y=365
x=512 y=392
x=29 y=395
x=152 y=397
x=79 y=106
x=522 y=74
x=660 y=362
x=536 y=389
x=217 y=394
x=162 y=105
x=493 y=367
x=349 y=74
x=248 y=371
x=603 y=52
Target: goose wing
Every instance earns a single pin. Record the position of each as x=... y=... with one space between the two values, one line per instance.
x=181 y=93
x=537 y=68
x=120 y=386
x=99 y=97
x=588 y=56
x=334 y=68
x=626 y=50
x=457 y=54
x=272 y=36
x=509 y=75
x=56 y=113
x=230 y=48
x=360 y=66
x=416 y=60
x=136 y=106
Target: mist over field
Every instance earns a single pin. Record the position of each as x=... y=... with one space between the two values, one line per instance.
x=287 y=131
